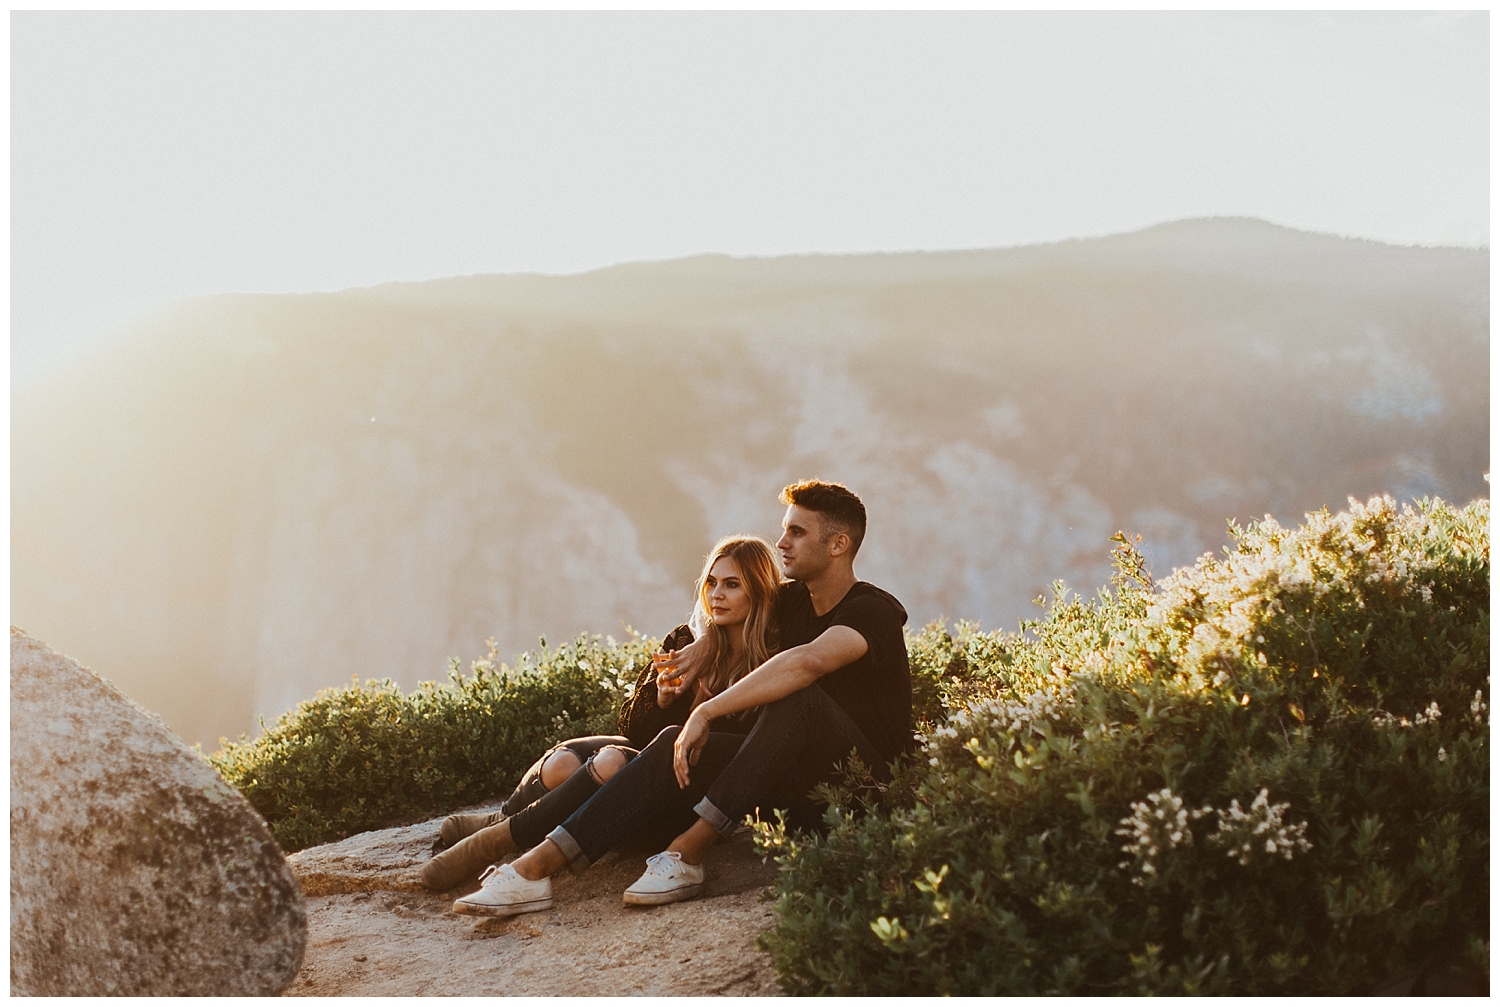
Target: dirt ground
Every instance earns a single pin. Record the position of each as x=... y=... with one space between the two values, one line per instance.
x=374 y=932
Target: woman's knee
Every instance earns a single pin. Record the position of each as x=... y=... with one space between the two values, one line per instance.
x=558 y=766
x=607 y=762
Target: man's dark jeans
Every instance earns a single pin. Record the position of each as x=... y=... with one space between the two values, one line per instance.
x=796 y=743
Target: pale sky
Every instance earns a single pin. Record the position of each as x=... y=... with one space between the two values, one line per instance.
x=160 y=156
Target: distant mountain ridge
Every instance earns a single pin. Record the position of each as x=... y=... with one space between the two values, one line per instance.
x=211 y=502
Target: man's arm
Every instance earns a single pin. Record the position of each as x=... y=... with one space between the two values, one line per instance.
x=784 y=674
x=788 y=672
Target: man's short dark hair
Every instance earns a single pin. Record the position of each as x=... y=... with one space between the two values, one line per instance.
x=839 y=508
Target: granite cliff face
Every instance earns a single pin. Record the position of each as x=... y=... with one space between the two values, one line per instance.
x=257 y=496
x=135 y=870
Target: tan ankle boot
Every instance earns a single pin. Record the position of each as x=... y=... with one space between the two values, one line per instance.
x=457 y=827
x=465 y=860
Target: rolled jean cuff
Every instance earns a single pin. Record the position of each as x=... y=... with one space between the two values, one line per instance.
x=569 y=848
x=713 y=816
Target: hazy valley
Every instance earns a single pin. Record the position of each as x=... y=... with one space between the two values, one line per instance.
x=257 y=496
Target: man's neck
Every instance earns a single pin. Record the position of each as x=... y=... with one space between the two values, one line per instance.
x=829 y=588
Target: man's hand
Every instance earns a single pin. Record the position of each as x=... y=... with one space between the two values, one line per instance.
x=676 y=670
x=689 y=745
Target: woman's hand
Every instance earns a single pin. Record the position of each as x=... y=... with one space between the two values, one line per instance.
x=689 y=744
x=669 y=683
x=676 y=670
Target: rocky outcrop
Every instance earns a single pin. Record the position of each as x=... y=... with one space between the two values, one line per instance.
x=373 y=931
x=135 y=869
x=386 y=860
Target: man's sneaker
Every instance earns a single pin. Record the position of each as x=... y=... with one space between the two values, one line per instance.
x=503 y=892
x=667 y=879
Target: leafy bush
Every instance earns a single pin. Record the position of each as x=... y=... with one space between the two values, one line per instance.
x=364 y=755
x=1270 y=775
x=948 y=667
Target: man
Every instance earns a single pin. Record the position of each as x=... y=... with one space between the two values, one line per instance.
x=841 y=685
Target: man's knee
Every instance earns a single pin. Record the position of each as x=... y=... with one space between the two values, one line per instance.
x=659 y=752
x=795 y=705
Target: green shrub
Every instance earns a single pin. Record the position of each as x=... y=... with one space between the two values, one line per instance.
x=364 y=755
x=949 y=667
x=1268 y=775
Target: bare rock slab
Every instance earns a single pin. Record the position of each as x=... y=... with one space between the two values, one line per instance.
x=383 y=860
x=375 y=932
x=135 y=869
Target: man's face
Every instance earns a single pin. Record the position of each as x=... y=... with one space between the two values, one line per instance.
x=803 y=552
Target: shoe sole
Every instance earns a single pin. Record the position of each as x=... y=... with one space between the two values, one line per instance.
x=662 y=898
x=513 y=909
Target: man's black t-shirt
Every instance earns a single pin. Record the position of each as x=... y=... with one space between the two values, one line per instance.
x=876 y=689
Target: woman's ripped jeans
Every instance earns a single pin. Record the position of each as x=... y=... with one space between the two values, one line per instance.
x=535 y=809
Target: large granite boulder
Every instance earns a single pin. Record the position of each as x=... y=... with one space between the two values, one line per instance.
x=134 y=868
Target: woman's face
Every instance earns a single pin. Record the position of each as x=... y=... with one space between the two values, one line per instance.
x=725 y=595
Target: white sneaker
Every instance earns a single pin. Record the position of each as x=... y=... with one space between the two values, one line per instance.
x=667 y=879
x=503 y=892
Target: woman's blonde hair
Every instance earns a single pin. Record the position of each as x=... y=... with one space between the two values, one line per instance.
x=761 y=576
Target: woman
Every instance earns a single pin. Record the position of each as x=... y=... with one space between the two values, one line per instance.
x=735 y=608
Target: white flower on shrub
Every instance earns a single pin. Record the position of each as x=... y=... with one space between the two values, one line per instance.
x=1429 y=716
x=1477 y=708
x=1014 y=715
x=1094 y=666
x=1225 y=599
x=928 y=742
x=1159 y=822
x=1248 y=835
